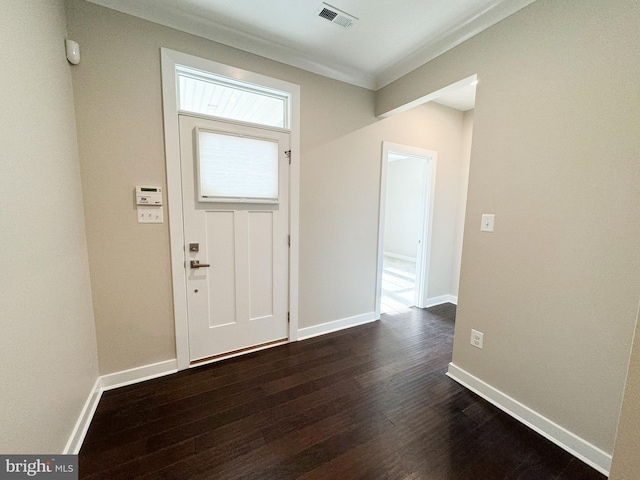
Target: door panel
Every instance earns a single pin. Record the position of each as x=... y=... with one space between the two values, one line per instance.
x=261 y=286
x=240 y=299
x=221 y=280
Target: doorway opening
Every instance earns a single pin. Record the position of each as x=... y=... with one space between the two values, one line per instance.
x=406 y=213
x=398 y=283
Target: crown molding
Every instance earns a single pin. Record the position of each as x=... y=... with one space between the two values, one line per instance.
x=211 y=30
x=493 y=14
x=173 y=17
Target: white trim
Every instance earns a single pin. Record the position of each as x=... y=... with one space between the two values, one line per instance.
x=109 y=382
x=381 y=215
x=569 y=441
x=428 y=205
x=138 y=374
x=294 y=213
x=84 y=421
x=442 y=299
x=399 y=257
x=336 y=325
x=169 y=60
x=174 y=202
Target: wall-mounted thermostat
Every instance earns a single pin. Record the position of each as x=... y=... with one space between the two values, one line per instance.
x=149 y=195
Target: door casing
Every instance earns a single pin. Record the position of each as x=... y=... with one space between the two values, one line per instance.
x=170 y=59
x=426 y=214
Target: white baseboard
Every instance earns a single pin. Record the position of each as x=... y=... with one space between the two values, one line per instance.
x=138 y=374
x=108 y=382
x=433 y=301
x=84 y=420
x=575 y=445
x=399 y=257
x=336 y=325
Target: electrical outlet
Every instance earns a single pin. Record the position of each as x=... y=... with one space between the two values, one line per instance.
x=477 y=338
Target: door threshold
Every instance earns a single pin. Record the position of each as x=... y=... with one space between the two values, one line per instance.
x=235 y=353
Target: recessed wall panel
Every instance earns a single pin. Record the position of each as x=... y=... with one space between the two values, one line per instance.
x=222 y=272
x=261 y=264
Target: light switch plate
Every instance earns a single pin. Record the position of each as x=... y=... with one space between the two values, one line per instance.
x=150 y=215
x=488 y=221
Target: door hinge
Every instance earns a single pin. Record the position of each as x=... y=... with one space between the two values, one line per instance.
x=288 y=154
x=288 y=317
x=289 y=240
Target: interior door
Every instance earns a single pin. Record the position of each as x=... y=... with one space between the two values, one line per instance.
x=236 y=244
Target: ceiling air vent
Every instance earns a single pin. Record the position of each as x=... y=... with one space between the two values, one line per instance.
x=336 y=16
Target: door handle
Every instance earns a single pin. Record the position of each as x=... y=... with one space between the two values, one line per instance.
x=197 y=264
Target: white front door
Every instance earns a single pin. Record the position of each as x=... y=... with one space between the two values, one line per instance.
x=236 y=248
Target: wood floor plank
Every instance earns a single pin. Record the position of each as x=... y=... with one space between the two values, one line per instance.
x=218 y=396
x=147 y=464
x=370 y=402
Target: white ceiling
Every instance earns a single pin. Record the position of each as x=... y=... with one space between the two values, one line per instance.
x=390 y=38
x=462 y=99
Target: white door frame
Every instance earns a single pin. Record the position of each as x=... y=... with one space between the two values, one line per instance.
x=170 y=59
x=423 y=261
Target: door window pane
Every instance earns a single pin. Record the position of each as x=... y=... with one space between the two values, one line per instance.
x=232 y=168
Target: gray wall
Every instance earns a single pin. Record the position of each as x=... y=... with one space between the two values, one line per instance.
x=402 y=211
x=626 y=461
x=463 y=185
x=555 y=156
x=48 y=354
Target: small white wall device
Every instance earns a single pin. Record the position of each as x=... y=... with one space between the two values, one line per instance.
x=149 y=195
x=149 y=201
x=73 y=51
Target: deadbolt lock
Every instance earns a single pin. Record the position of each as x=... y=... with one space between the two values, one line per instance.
x=194 y=247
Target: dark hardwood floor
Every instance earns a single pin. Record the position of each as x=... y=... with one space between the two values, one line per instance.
x=371 y=402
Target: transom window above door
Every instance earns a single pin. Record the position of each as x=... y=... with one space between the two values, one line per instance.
x=230 y=99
